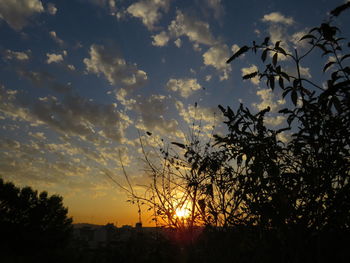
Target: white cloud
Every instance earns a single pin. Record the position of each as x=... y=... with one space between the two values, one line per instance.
x=216 y=57
x=71 y=116
x=178 y=42
x=207 y=116
x=276 y=17
x=51 y=9
x=152 y=111
x=216 y=6
x=160 y=39
x=197 y=31
x=38 y=135
x=235 y=48
x=115 y=69
x=18 y=55
x=295 y=39
x=17 y=12
x=56 y=38
x=251 y=69
x=149 y=11
x=111 y=4
x=53 y=58
x=268 y=99
x=184 y=86
x=71 y=67
x=274 y=121
x=278 y=25
x=305 y=72
x=121 y=95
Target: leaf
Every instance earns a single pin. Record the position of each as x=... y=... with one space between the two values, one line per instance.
x=281 y=50
x=344 y=57
x=294 y=97
x=328 y=65
x=274 y=59
x=222 y=109
x=338 y=10
x=347 y=70
x=281 y=83
x=266 y=41
x=179 y=145
x=240 y=52
x=263 y=55
x=337 y=104
x=272 y=82
x=250 y=75
x=285 y=75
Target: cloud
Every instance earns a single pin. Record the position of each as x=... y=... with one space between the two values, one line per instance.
x=43 y=79
x=53 y=58
x=305 y=72
x=114 y=68
x=18 y=12
x=121 y=95
x=17 y=55
x=295 y=39
x=251 y=69
x=56 y=38
x=235 y=48
x=71 y=67
x=152 y=111
x=276 y=17
x=184 y=86
x=71 y=116
x=216 y=6
x=268 y=99
x=38 y=135
x=207 y=116
x=51 y=9
x=197 y=31
x=216 y=57
x=160 y=39
x=274 y=121
x=149 y=11
x=178 y=42
x=110 y=4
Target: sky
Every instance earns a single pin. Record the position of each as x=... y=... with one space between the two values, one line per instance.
x=82 y=81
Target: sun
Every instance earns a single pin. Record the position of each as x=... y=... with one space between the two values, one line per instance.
x=182 y=212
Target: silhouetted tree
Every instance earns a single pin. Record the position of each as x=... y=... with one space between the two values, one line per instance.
x=294 y=195
x=31 y=223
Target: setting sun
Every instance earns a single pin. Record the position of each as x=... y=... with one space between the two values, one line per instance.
x=182 y=212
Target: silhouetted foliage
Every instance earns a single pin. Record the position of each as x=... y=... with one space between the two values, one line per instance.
x=32 y=224
x=293 y=196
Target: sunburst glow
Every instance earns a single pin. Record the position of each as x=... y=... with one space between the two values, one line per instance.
x=182 y=212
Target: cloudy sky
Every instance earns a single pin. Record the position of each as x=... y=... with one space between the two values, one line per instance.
x=82 y=80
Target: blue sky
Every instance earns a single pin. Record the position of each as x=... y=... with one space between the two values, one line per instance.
x=81 y=79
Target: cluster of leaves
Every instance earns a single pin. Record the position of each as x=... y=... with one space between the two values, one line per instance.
x=306 y=181
x=249 y=176
x=293 y=195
